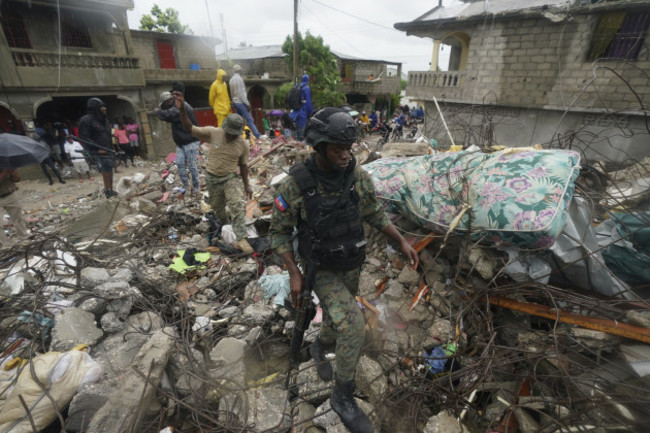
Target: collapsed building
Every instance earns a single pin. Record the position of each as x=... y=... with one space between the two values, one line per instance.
x=135 y=315
x=528 y=313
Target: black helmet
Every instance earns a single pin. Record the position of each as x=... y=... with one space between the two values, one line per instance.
x=94 y=104
x=330 y=125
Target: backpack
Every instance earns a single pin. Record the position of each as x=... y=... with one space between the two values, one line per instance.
x=294 y=98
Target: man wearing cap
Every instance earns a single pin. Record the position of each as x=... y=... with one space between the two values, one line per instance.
x=95 y=135
x=240 y=100
x=187 y=147
x=327 y=198
x=227 y=151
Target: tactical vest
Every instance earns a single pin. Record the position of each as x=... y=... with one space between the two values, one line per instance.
x=332 y=237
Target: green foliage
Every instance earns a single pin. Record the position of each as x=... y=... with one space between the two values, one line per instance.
x=402 y=84
x=387 y=101
x=281 y=94
x=316 y=60
x=166 y=22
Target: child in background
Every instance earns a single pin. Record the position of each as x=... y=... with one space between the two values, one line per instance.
x=265 y=125
x=132 y=129
x=75 y=154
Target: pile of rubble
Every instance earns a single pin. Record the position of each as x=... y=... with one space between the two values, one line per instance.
x=138 y=317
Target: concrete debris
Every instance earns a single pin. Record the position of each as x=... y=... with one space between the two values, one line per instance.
x=443 y=423
x=514 y=344
x=75 y=326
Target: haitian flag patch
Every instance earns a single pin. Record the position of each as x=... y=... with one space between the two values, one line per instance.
x=281 y=204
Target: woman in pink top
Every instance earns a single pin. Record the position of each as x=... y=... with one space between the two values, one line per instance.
x=123 y=141
x=132 y=129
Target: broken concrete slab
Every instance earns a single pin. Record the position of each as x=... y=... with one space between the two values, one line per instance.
x=124 y=407
x=91 y=277
x=258 y=313
x=409 y=277
x=85 y=404
x=444 y=423
x=74 y=326
x=310 y=387
x=370 y=379
x=111 y=323
x=267 y=410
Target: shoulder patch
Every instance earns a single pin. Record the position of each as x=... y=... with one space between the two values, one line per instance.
x=281 y=204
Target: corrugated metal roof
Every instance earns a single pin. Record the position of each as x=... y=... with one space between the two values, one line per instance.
x=468 y=10
x=251 y=53
x=268 y=51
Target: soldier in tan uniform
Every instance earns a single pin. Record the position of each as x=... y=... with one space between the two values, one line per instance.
x=227 y=152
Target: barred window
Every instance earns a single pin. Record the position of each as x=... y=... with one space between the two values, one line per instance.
x=619 y=35
x=15 y=30
x=74 y=32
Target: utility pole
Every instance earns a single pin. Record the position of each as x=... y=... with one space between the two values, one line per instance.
x=207 y=11
x=223 y=35
x=295 y=42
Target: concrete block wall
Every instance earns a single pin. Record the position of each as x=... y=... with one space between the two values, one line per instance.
x=538 y=63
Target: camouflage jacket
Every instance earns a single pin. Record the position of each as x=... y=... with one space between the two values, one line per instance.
x=289 y=204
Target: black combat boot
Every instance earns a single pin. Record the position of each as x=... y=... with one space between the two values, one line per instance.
x=342 y=401
x=323 y=366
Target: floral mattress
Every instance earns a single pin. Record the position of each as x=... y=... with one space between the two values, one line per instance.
x=513 y=197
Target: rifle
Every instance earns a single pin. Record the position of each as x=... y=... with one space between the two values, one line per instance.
x=93 y=144
x=302 y=317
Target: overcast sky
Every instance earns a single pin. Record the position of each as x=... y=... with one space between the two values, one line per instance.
x=357 y=28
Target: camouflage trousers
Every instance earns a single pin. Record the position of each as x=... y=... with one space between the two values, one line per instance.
x=343 y=321
x=228 y=191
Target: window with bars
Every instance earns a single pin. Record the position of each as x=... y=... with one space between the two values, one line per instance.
x=74 y=33
x=14 y=29
x=619 y=35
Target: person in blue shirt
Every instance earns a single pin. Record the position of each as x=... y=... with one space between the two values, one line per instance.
x=301 y=115
x=373 y=120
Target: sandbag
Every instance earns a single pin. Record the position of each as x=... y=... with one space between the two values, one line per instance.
x=62 y=374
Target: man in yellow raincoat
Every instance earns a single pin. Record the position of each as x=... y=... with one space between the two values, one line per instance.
x=219 y=98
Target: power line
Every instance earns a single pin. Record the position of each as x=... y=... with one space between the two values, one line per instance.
x=354 y=16
x=335 y=33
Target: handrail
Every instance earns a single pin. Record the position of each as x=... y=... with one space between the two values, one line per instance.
x=36 y=58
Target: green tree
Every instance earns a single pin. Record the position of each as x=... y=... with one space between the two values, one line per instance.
x=163 y=21
x=402 y=84
x=316 y=60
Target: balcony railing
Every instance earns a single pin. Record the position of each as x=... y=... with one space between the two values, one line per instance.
x=42 y=59
x=435 y=79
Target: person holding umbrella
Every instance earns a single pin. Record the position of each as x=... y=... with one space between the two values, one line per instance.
x=95 y=134
x=16 y=151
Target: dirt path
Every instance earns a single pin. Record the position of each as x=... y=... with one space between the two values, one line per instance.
x=39 y=195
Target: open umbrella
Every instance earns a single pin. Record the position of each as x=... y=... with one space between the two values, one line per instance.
x=19 y=151
x=275 y=112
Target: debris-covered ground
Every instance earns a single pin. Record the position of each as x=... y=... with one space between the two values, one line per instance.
x=136 y=315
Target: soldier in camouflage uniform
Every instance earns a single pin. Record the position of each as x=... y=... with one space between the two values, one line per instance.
x=226 y=153
x=331 y=132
